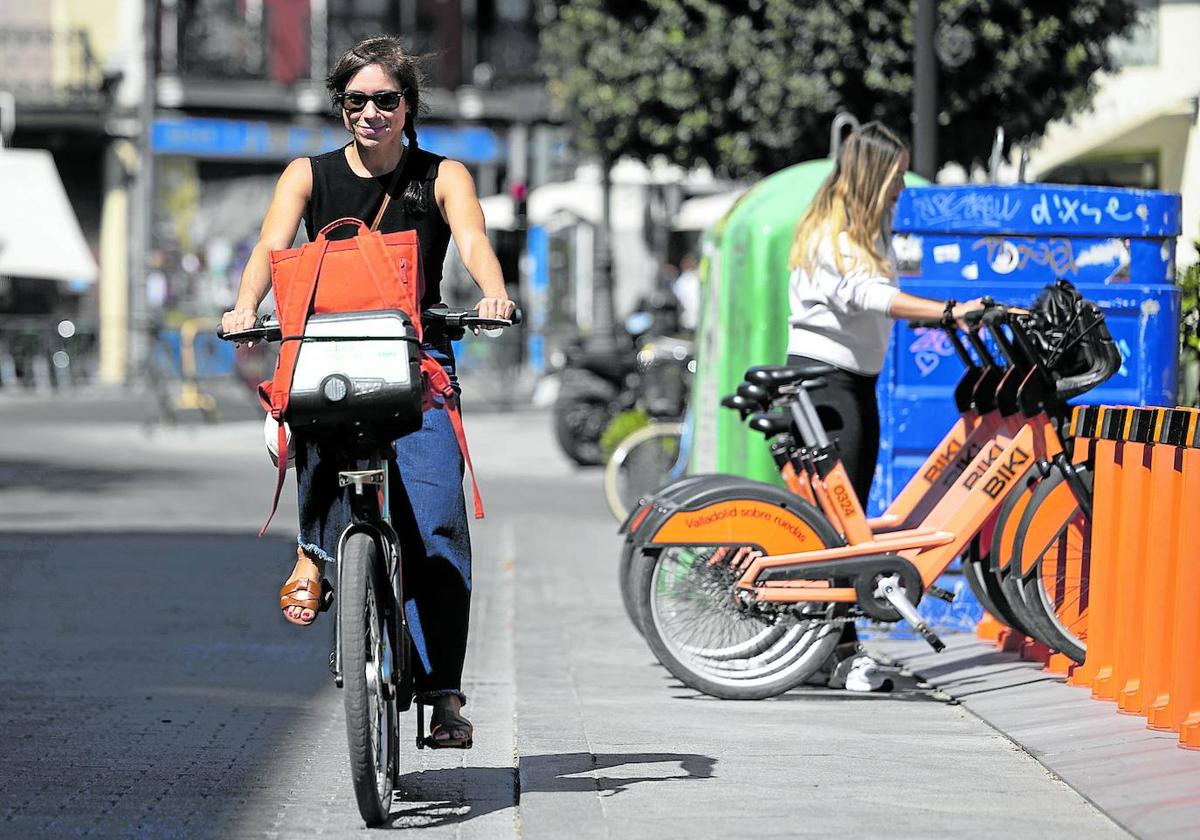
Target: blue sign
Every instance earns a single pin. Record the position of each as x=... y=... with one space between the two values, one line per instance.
x=254 y=140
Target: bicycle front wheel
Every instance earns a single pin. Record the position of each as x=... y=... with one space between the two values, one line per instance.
x=371 y=716
x=1053 y=549
x=643 y=463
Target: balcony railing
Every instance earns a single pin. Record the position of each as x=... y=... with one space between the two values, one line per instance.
x=48 y=68
x=286 y=41
x=233 y=40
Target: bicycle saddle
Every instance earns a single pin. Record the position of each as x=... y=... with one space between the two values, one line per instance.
x=770 y=425
x=742 y=404
x=776 y=376
x=754 y=393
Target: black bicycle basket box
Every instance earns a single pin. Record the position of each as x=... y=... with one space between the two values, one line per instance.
x=358 y=368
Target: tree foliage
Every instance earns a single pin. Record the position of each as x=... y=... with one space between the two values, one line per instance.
x=750 y=86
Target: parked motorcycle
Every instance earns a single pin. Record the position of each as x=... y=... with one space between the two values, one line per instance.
x=646 y=369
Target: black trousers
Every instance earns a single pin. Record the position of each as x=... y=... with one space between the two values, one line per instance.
x=850 y=414
x=849 y=411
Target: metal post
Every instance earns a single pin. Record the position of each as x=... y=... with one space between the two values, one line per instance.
x=318 y=34
x=142 y=206
x=925 y=95
x=603 y=308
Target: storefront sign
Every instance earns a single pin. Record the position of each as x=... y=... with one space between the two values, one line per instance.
x=240 y=139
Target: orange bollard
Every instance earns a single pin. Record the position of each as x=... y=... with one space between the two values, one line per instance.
x=1134 y=565
x=1163 y=570
x=1102 y=587
x=1060 y=663
x=1009 y=640
x=1035 y=651
x=988 y=629
x=1185 y=679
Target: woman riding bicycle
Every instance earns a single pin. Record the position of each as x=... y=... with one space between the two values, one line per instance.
x=844 y=296
x=376 y=87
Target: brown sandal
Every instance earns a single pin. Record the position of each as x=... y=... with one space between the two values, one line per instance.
x=307 y=594
x=444 y=720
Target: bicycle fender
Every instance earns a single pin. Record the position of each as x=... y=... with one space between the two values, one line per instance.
x=745 y=513
x=653 y=508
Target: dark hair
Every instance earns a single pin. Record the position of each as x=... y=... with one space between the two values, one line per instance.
x=389 y=54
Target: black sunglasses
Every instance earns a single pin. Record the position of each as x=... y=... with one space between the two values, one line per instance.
x=385 y=100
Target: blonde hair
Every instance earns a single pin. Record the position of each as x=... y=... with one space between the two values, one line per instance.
x=853 y=200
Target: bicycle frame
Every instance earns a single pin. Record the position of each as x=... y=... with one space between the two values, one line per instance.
x=949 y=527
x=981 y=423
x=952 y=496
x=370 y=512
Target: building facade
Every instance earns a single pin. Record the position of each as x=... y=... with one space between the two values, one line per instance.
x=1143 y=128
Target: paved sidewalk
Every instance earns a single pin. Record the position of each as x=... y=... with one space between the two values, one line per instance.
x=1139 y=777
x=166 y=697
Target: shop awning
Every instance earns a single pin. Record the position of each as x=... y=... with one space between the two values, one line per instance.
x=39 y=234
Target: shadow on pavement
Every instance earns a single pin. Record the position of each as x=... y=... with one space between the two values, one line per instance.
x=905 y=689
x=441 y=797
x=149 y=681
x=48 y=477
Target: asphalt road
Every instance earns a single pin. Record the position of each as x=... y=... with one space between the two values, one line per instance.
x=152 y=690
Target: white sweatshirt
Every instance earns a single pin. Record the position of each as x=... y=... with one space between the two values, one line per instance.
x=841 y=318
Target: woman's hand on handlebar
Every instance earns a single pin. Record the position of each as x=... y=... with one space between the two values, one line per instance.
x=239 y=319
x=496 y=308
x=961 y=310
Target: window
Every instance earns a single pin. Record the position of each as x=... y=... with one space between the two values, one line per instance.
x=1140 y=47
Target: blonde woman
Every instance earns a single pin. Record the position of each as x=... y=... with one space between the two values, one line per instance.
x=843 y=298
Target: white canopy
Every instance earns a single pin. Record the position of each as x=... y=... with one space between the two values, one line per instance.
x=704 y=211
x=551 y=205
x=39 y=234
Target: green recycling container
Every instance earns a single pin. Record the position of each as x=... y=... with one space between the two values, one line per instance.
x=744 y=314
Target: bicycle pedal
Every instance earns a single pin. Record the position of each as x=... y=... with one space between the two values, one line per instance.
x=932 y=638
x=890 y=589
x=942 y=594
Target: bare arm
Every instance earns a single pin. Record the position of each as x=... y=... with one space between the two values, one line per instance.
x=278 y=231
x=906 y=307
x=456 y=198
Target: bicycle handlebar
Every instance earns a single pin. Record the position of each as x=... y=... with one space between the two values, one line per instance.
x=456 y=322
x=266 y=328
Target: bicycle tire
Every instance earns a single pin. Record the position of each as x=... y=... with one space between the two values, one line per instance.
x=1005 y=586
x=641 y=464
x=1055 y=577
x=371 y=717
x=628 y=595
x=985 y=587
x=777 y=653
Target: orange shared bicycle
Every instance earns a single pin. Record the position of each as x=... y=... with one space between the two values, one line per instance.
x=739 y=586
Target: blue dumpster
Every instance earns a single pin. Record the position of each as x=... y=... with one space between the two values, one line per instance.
x=1116 y=245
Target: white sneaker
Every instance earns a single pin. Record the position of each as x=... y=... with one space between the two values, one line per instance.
x=859 y=673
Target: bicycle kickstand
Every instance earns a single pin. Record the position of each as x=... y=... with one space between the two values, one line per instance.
x=420 y=725
x=890 y=588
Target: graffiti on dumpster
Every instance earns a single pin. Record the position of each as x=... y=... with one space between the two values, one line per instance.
x=929 y=348
x=1008 y=254
x=1025 y=209
x=960 y=209
x=1049 y=209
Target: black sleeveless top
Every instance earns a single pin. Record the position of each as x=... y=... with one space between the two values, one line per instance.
x=338 y=192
